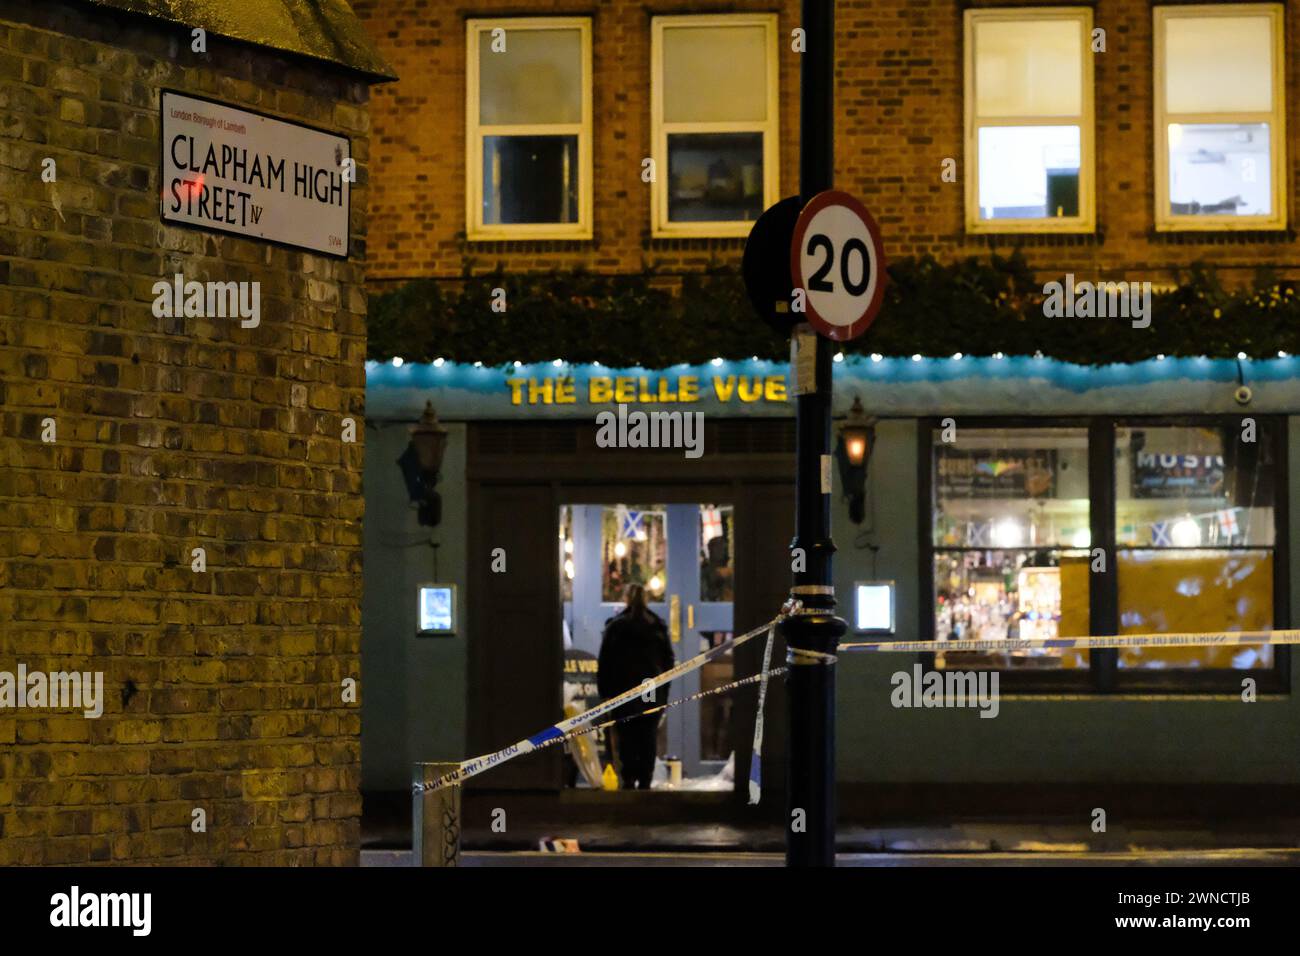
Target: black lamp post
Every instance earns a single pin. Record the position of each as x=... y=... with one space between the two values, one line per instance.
x=420 y=464
x=857 y=440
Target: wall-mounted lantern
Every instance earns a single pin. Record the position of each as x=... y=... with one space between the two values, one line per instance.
x=857 y=441
x=420 y=464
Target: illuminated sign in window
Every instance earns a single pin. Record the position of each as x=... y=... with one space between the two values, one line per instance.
x=437 y=611
x=873 y=607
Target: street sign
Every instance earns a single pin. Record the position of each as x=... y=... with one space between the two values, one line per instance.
x=766 y=265
x=837 y=258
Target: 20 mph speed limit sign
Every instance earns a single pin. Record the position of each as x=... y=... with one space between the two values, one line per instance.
x=837 y=259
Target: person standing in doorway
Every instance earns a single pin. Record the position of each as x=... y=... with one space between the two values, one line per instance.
x=634 y=647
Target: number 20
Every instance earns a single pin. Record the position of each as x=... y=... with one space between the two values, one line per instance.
x=817 y=282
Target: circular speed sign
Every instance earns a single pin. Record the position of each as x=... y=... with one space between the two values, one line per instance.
x=836 y=257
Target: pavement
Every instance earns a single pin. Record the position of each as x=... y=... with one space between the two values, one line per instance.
x=1247 y=857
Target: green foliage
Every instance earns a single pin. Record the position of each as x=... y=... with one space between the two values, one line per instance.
x=974 y=306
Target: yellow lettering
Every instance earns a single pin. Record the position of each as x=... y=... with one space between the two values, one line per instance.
x=646 y=395
x=599 y=390
x=774 y=389
x=516 y=390
x=724 y=391
x=544 y=391
x=750 y=393
x=624 y=389
x=688 y=388
x=666 y=394
x=564 y=392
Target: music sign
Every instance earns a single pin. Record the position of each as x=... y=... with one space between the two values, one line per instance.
x=240 y=172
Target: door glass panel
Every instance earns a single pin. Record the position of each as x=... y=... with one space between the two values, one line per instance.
x=634 y=550
x=717 y=553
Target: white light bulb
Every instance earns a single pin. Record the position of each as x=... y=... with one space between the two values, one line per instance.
x=916 y=357
x=1008 y=534
x=620 y=549
x=716 y=361
x=876 y=356
x=1186 y=533
x=518 y=363
x=956 y=356
x=439 y=362
x=656 y=583
x=1241 y=356
x=1082 y=538
x=839 y=356
x=398 y=361
x=558 y=362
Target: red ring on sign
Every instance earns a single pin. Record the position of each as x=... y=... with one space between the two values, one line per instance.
x=834 y=197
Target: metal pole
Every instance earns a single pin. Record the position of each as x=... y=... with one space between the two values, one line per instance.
x=812 y=637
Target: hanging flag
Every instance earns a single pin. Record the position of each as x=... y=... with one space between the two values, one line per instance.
x=1160 y=534
x=632 y=524
x=710 y=524
x=1228 y=522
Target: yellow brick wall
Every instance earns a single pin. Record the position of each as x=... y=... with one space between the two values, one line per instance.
x=222 y=689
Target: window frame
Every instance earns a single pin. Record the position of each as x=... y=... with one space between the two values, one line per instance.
x=1165 y=221
x=1103 y=677
x=661 y=227
x=475 y=133
x=1086 y=221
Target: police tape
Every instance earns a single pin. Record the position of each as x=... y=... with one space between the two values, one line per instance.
x=756 y=754
x=556 y=733
x=1208 y=639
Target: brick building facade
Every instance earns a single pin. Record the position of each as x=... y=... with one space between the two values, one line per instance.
x=222 y=690
x=899 y=114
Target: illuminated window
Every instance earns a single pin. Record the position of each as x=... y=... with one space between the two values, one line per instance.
x=1011 y=533
x=717 y=553
x=634 y=550
x=1029 y=120
x=1219 y=114
x=713 y=123
x=528 y=129
x=1195 y=528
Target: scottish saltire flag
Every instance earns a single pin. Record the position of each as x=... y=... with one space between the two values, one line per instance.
x=1160 y=534
x=632 y=523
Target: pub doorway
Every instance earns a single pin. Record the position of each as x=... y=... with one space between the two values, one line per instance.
x=683 y=554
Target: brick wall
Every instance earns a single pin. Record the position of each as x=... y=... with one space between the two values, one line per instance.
x=222 y=689
x=899 y=114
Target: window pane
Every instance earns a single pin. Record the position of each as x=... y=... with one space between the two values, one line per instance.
x=1013 y=488
x=567 y=567
x=717 y=553
x=1189 y=487
x=530 y=179
x=715 y=74
x=1029 y=68
x=1028 y=172
x=715 y=177
x=1220 y=169
x=536 y=79
x=634 y=550
x=1011 y=595
x=1195 y=591
x=1218 y=64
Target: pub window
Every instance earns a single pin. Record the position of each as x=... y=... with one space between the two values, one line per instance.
x=713 y=123
x=1195 y=541
x=528 y=129
x=1029 y=120
x=1219 y=114
x=1074 y=527
x=1011 y=536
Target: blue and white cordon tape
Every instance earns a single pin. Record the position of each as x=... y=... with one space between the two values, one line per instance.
x=1208 y=639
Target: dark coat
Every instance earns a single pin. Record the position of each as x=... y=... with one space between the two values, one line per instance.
x=632 y=649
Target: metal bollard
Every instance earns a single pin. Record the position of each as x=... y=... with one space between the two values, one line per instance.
x=435 y=817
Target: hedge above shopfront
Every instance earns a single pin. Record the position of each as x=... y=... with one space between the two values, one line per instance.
x=975 y=307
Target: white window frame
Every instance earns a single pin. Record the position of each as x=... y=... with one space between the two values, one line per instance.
x=660 y=225
x=1086 y=221
x=1165 y=221
x=475 y=133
